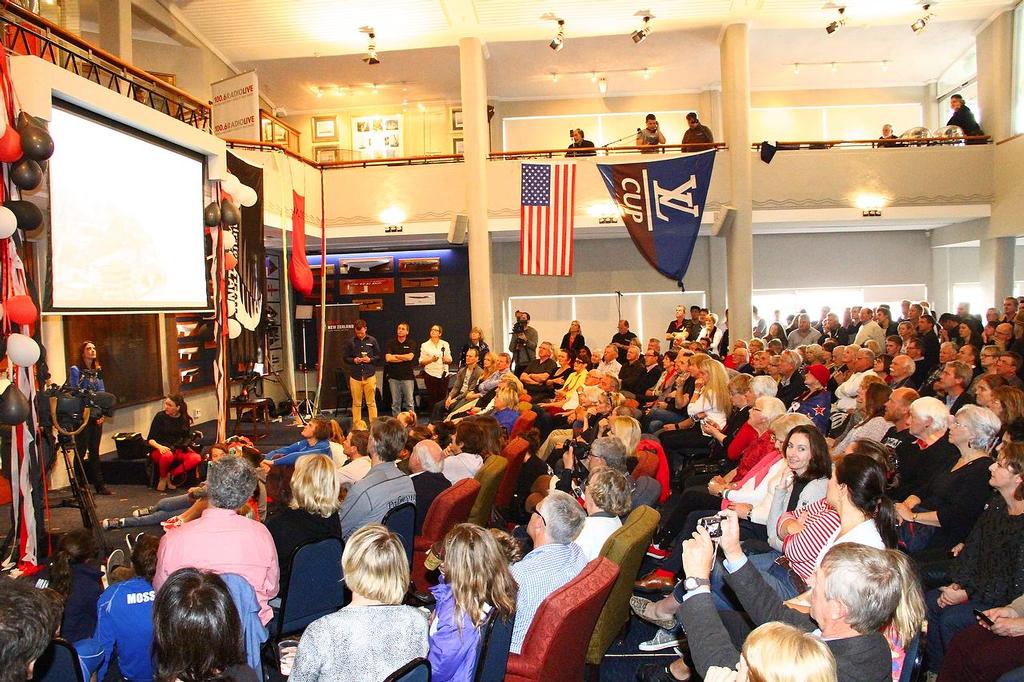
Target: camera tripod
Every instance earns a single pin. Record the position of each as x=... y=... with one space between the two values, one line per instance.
x=81 y=497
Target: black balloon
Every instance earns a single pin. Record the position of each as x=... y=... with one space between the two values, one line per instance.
x=28 y=214
x=36 y=143
x=26 y=174
x=14 y=407
x=229 y=214
x=211 y=214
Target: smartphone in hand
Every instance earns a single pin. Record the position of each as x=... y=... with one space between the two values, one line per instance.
x=980 y=615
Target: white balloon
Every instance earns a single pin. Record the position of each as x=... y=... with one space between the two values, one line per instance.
x=229 y=240
x=234 y=329
x=247 y=196
x=230 y=184
x=8 y=222
x=22 y=350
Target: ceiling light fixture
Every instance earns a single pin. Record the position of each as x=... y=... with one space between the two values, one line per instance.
x=921 y=23
x=371 y=48
x=834 y=67
x=602 y=85
x=647 y=74
x=554 y=78
x=835 y=25
x=796 y=68
x=558 y=42
x=374 y=86
x=593 y=77
x=640 y=35
x=317 y=91
x=885 y=65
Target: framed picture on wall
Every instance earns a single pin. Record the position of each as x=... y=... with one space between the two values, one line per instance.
x=377 y=137
x=325 y=129
x=328 y=154
x=458 y=146
x=456 y=119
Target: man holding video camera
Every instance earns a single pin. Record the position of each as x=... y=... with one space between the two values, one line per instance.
x=523 y=345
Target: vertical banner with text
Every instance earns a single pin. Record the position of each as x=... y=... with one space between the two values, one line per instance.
x=236 y=107
x=339 y=328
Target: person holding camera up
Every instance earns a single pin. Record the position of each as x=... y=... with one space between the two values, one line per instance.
x=523 y=345
x=86 y=376
x=650 y=135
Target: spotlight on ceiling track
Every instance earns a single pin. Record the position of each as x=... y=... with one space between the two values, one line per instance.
x=835 y=25
x=371 y=48
x=640 y=35
x=558 y=42
x=602 y=85
x=921 y=23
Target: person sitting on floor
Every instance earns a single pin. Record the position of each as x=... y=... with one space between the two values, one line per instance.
x=316 y=437
x=170 y=438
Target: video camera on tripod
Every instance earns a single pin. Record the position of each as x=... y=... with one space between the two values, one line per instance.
x=71 y=408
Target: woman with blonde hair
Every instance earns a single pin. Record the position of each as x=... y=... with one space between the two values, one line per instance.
x=910 y=612
x=475 y=581
x=573 y=340
x=477 y=343
x=710 y=402
x=777 y=652
x=311 y=515
x=506 y=406
x=627 y=429
x=375 y=634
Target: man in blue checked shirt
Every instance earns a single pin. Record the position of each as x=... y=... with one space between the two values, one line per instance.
x=554 y=561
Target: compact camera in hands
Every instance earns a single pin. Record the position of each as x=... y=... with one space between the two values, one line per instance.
x=712 y=524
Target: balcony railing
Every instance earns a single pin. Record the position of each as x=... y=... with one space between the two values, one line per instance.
x=358 y=163
x=890 y=144
x=25 y=33
x=604 y=151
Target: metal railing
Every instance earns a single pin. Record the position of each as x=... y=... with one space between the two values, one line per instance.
x=877 y=143
x=26 y=33
x=583 y=152
x=357 y=163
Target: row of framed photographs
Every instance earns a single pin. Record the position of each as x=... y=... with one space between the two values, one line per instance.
x=325 y=128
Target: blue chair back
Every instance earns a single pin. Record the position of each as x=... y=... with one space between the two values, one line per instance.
x=401 y=520
x=492 y=654
x=416 y=670
x=314 y=587
x=59 y=663
x=913 y=661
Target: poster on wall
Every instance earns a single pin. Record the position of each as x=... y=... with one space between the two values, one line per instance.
x=246 y=282
x=377 y=137
x=275 y=353
x=236 y=107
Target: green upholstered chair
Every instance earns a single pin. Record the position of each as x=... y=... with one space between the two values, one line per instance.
x=489 y=477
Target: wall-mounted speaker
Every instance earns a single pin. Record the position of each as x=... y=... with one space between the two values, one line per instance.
x=457 y=229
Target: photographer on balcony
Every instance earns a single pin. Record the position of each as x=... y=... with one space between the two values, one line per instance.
x=523 y=345
x=86 y=376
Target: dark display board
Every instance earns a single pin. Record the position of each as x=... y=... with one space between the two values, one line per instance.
x=421 y=287
x=128 y=349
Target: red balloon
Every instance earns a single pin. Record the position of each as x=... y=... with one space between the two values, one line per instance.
x=230 y=261
x=21 y=309
x=10 y=145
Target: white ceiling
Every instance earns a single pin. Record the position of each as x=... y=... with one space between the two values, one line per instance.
x=303 y=43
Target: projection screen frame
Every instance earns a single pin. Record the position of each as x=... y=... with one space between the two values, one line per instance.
x=48 y=307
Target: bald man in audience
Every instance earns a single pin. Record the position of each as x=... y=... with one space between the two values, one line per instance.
x=1004 y=335
x=427 y=480
x=897 y=413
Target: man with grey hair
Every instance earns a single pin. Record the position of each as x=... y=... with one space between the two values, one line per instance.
x=537 y=373
x=764 y=386
x=902 y=370
x=854 y=592
x=427 y=479
x=791 y=380
x=846 y=393
x=222 y=540
x=930 y=452
x=384 y=487
x=554 y=561
x=610 y=452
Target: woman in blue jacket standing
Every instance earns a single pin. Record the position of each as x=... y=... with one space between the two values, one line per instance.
x=86 y=376
x=475 y=580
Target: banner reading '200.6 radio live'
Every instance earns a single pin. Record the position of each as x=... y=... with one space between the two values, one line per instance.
x=661 y=203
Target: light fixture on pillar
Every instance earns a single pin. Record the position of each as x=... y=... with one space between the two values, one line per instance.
x=640 y=35
x=602 y=85
x=870 y=205
x=558 y=42
x=392 y=217
x=835 y=25
x=922 y=22
x=371 y=48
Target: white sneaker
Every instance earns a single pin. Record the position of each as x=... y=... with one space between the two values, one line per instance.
x=663 y=639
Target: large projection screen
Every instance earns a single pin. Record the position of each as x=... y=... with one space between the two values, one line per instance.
x=126 y=220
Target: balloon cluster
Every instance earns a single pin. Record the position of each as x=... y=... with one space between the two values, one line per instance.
x=227 y=214
x=26 y=146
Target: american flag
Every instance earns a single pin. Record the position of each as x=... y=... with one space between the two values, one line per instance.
x=546 y=219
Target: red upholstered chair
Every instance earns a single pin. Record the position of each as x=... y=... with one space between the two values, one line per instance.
x=448 y=509
x=515 y=452
x=555 y=647
x=523 y=424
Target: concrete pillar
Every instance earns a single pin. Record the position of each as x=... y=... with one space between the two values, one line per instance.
x=717 y=279
x=477 y=146
x=739 y=240
x=995 y=76
x=995 y=269
x=115 y=19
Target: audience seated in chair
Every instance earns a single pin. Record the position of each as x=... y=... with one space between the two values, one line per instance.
x=384 y=486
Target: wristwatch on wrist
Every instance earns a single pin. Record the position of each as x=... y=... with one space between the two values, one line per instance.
x=691 y=584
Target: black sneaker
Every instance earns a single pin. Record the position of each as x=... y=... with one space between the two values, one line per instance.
x=115 y=559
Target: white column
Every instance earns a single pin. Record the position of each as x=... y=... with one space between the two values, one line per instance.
x=718 y=280
x=739 y=239
x=115 y=19
x=995 y=76
x=996 y=269
x=477 y=146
